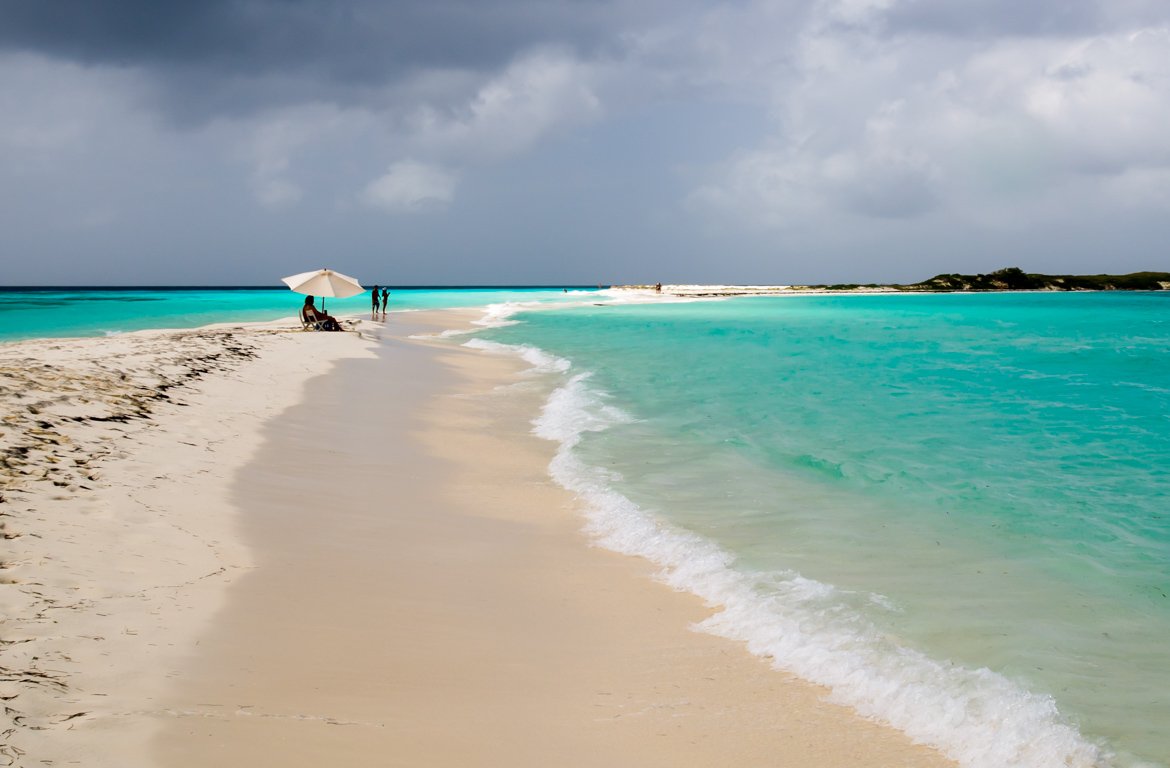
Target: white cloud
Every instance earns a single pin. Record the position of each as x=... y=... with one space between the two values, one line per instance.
x=1106 y=101
x=411 y=187
x=854 y=12
x=511 y=111
x=504 y=116
x=995 y=133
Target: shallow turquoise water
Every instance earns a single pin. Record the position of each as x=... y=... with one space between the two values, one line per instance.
x=27 y=314
x=926 y=486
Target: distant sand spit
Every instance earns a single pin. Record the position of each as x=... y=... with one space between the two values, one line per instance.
x=725 y=291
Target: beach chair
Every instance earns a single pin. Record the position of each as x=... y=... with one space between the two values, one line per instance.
x=310 y=321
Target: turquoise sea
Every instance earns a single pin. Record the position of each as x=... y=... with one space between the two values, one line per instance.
x=29 y=313
x=952 y=510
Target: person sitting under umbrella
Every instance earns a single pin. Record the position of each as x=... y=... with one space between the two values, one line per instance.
x=318 y=319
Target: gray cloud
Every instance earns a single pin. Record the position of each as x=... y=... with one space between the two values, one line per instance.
x=986 y=19
x=359 y=39
x=581 y=140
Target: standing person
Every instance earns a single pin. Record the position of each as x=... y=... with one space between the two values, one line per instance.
x=374 y=309
x=385 y=301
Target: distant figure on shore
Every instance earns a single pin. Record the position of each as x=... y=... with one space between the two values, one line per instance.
x=658 y=287
x=318 y=319
x=374 y=308
x=385 y=301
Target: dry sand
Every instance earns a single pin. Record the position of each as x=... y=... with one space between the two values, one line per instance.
x=384 y=575
x=116 y=456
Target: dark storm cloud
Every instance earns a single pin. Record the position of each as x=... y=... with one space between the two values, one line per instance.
x=358 y=38
x=234 y=55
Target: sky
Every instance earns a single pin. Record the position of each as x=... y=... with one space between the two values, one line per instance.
x=231 y=142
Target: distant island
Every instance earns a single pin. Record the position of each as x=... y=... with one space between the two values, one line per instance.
x=1009 y=279
x=1016 y=279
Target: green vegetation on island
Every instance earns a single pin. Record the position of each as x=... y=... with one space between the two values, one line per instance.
x=1016 y=279
x=1009 y=279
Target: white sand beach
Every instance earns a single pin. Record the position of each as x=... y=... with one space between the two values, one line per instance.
x=251 y=546
x=120 y=538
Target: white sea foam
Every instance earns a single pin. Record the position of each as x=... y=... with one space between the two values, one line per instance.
x=541 y=361
x=498 y=315
x=447 y=334
x=494 y=316
x=977 y=717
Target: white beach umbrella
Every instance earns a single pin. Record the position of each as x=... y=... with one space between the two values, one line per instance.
x=323 y=282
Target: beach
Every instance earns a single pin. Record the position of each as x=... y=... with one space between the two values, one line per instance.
x=831 y=430
x=258 y=546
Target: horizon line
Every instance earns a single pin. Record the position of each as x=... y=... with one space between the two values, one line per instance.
x=548 y=286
